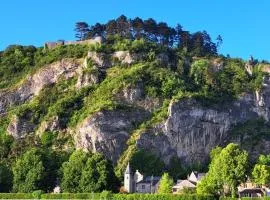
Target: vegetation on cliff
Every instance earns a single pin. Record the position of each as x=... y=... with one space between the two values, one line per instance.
x=174 y=64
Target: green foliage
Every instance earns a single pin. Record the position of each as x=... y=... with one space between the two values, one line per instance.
x=175 y=168
x=29 y=172
x=158 y=82
x=165 y=184
x=16 y=62
x=5 y=178
x=198 y=72
x=46 y=56
x=250 y=133
x=94 y=196
x=36 y=169
x=106 y=195
x=261 y=170
x=87 y=173
x=261 y=174
x=16 y=196
x=161 y=197
x=147 y=163
x=47 y=138
x=229 y=167
x=264 y=160
x=37 y=194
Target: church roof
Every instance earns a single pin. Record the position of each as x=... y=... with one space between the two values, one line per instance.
x=150 y=179
x=128 y=169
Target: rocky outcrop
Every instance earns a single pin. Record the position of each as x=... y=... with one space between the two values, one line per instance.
x=51 y=125
x=65 y=68
x=88 y=78
x=108 y=131
x=192 y=130
x=103 y=60
x=19 y=127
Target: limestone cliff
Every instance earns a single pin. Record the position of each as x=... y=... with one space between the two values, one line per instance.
x=189 y=131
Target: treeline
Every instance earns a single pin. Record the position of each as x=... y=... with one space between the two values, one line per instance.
x=43 y=169
x=200 y=43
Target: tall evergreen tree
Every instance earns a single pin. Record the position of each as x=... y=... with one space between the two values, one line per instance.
x=82 y=30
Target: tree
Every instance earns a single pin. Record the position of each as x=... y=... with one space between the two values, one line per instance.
x=227 y=168
x=123 y=26
x=147 y=162
x=28 y=172
x=219 y=41
x=98 y=175
x=82 y=30
x=137 y=25
x=72 y=171
x=261 y=170
x=166 y=184
x=5 y=178
x=261 y=174
x=85 y=172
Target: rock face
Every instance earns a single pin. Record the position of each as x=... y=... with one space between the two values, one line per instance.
x=34 y=84
x=108 y=131
x=53 y=124
x=104 y=61
x=191 y=130
x=19 y=127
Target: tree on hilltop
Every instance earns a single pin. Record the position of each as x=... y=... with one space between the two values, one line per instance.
x=82 y=30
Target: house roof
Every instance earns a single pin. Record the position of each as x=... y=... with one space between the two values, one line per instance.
x=184 y=184
x=150 y=179
x=252 y=190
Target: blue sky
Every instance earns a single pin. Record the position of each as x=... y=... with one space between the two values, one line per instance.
x=243 y=24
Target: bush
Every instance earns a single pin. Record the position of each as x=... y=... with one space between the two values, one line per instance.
x=16 y=196
x=71 y=196
x=160 y=197
x=37 y=194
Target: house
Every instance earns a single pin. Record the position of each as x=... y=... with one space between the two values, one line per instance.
x=148 y=185
x=137 y=183
x=189 y=183
x=250 y=189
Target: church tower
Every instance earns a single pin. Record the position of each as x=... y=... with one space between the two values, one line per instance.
x=128 y=180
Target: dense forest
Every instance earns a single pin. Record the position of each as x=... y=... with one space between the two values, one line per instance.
x=200 y=43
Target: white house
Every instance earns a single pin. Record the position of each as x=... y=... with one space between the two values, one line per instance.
x=136 y=183
x=190 y=183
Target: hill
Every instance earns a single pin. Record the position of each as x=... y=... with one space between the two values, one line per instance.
x=158 y=105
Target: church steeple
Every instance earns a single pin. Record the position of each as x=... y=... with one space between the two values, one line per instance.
x=128 y=169
x=128 y=181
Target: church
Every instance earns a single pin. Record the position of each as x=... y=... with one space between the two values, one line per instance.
x=137 y=183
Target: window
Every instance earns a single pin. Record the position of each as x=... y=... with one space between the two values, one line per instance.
x=143 y=187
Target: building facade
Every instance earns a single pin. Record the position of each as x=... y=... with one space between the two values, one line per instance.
x=137 y=183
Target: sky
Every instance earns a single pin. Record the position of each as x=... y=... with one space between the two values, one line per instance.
x=243 y=24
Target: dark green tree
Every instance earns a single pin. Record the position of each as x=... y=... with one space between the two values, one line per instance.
x=85 y=172
x=5 y=178
x=29 y=172
x=82 y=30
x=147 y=163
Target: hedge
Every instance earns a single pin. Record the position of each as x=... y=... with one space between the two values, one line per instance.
x=160 y=197
x=71 y=196
x=16 y=196
x=96 y=196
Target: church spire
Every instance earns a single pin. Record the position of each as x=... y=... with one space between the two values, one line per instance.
x=128 y=169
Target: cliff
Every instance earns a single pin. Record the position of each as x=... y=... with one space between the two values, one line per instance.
x=118 y=102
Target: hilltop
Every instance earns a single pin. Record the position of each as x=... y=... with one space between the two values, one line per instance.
x=158 y=99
